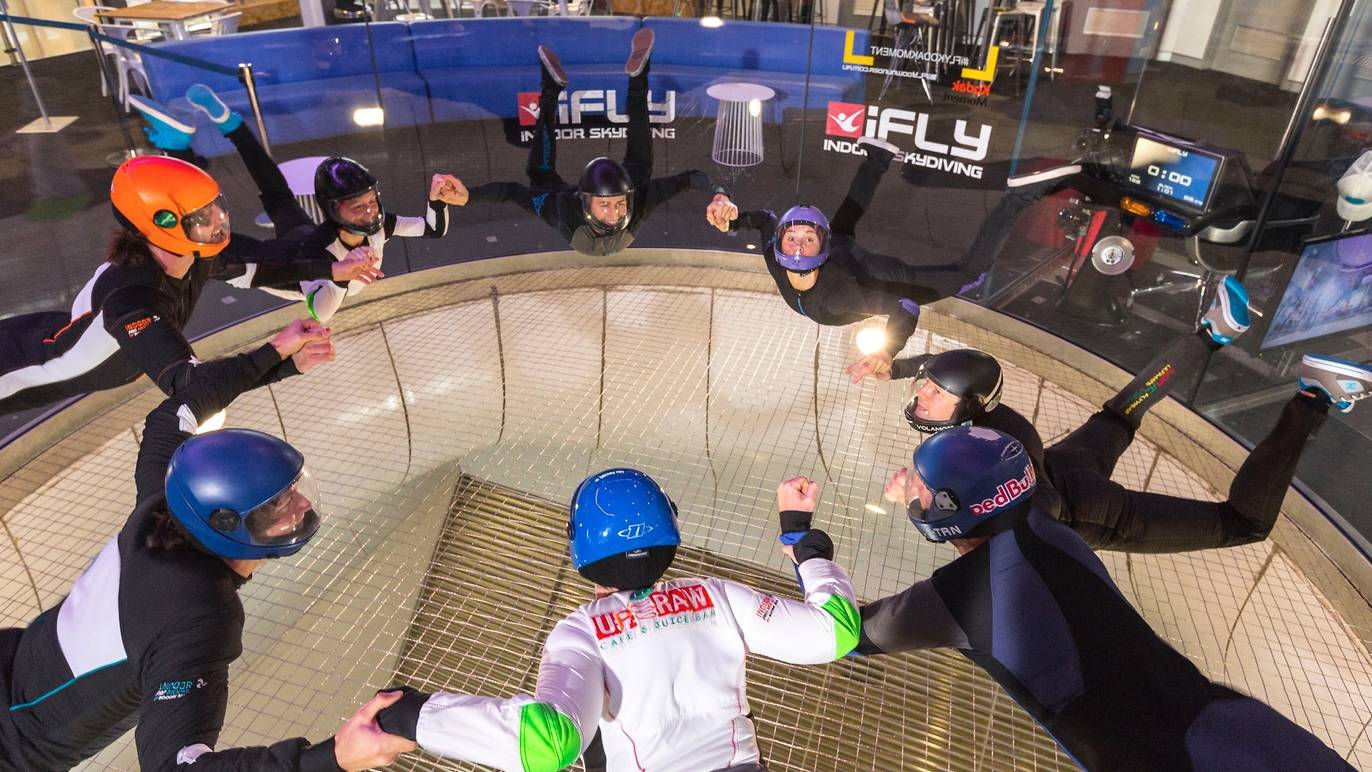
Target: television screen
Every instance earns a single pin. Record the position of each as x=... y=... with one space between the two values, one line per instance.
x=1330 y=291
x=1172 y=173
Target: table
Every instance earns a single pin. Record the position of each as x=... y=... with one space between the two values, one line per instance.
x=738 y=124
x=167 y=13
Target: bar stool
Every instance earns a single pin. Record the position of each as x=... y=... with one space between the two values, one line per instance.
x=738 y=124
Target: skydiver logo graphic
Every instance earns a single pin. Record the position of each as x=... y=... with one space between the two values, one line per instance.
x=528 y=108
x=845 y=120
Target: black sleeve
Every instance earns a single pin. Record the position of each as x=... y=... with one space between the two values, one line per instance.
x=559 y=209
x=255 y=263
x=186 y=691
x=908 y=367
x=140 y=322
x=175 y=419
x=760 y=220
x=913 y=619
x=663 y=189
x=902 y=314
x=401 y=718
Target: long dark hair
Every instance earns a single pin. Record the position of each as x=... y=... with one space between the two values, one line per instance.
x=165 y=533
x=128 y=248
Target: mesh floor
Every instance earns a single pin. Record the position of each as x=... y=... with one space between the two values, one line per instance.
x=704 y=379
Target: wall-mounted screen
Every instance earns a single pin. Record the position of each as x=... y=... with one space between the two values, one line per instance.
x=1180 y=175
x=1330 y=291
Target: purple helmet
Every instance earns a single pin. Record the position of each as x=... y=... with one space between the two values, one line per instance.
x=802 y=215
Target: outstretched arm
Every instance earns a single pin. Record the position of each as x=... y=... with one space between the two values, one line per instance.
x=910 y=620
x=663 y=189
x=545 y=732
x=444 y=190
x=859 y=198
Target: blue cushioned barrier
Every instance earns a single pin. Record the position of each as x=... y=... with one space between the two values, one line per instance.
x=311 y=80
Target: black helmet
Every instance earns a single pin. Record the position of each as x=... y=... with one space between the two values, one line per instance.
x=601 y=178
x=338 y=179
x=972 y=376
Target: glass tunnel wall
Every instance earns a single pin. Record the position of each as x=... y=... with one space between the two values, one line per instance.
x=972 y=93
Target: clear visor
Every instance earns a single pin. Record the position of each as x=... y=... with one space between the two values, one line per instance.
x=608 y=213
x=290 y=517
x=362 y=211
x=209 y=224
x=929 y=406
x=802 y=238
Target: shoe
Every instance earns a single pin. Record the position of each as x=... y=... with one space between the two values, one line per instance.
x=552 y=66
x=1227 y=317
x=1342 y=381
x=639 y=49
x=881 y=145
x=206 y=101
x=164 y=131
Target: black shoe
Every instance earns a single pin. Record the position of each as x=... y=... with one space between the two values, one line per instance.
x=553 y=74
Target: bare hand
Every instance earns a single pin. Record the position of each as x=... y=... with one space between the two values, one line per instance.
x=720 y=212
x=896 y=487
x=313 y=354
x=789 y=551
x=800 y=494
x=877 y=365
x=361 y=264
x=448 y=189
x=297 y=334
x=360 y=743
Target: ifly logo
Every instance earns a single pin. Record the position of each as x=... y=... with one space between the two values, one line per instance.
x=636 y=531
x=572 y=106
x=845 y=120
x=906 y=127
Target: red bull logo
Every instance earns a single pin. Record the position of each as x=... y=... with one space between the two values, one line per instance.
x=1007 y=492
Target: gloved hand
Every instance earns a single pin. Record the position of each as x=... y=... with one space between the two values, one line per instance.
x=401 y=717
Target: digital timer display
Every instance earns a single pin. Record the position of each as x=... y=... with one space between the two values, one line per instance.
x=1173 y=173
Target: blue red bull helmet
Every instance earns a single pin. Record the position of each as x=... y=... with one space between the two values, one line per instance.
x=792 y=256
x=974 y=474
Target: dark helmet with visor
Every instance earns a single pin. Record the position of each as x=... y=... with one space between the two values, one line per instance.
x=795 y=260
x=242 y=495
x=975 y=475
x=604 y=178
x=974 y=377
x=622 y=529
x=337 y=180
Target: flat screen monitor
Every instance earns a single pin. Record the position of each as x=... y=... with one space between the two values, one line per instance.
x=1330 y=291
x=1180 y=175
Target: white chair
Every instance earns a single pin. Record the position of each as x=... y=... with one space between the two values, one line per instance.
x=126 y=61
x=299 y=174
x=86 y=15
x=219 y=24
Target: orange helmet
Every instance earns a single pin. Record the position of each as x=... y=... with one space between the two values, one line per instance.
x=175 y=205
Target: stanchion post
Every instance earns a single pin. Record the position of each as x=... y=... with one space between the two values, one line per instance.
x=12 y=38
x=245 y=75
x=112 y=81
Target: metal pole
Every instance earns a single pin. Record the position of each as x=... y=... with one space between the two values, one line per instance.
x=112 y=79
x=245 y=75
x=1303 y=100
x=24 y=62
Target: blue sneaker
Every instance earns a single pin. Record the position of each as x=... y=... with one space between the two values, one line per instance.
x=209 y=103
x=1227 y=317
x=164 y=131
x=1342 y=381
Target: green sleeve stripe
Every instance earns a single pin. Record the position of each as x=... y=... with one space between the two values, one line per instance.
x=847 y=624
x=548 y=740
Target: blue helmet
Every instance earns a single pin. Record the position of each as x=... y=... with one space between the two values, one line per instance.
x=795 y=261
x=622 y=529
x=974 y=474
x=242 y=494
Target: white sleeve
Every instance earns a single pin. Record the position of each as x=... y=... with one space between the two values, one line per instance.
x=546 y=732
x=432 y=225
x=821 y=629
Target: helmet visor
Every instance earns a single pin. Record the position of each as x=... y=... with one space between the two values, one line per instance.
x=361 y=213
x=209 y=224
x=801 y=245
x=930 y=408
x=290 y=517
x=608 y=214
